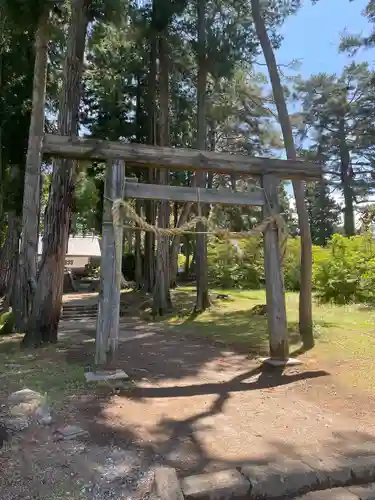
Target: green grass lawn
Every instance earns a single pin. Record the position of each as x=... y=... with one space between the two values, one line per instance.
x=345 y=335
x=44 y=370
x=345 y=340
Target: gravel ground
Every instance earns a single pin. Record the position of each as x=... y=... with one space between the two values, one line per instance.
x=39 y=467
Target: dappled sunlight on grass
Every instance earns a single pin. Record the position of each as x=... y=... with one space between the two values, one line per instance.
x=345 y=335
x=44 y=370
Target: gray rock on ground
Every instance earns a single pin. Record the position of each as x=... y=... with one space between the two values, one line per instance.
x=71 y=432
x=365 y=492
x=25 y=407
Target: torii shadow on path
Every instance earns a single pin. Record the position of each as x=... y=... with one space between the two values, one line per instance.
x=178 y=431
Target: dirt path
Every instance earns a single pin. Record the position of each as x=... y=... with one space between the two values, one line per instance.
x=191 y=405
x=201 y=408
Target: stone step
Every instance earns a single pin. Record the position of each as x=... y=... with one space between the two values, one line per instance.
x=366 y=492
x=80 y=308
x=79 y=313
x=328 y=478
x=86 y=312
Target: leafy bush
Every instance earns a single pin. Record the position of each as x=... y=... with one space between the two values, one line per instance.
x=181 y=261
x=291 y=265
x=241 y=265
x=343 y=272
x=7 y=322
x=236 y=264
x=347 y=273
x=223 y=260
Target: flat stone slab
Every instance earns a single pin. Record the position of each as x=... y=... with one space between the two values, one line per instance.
x=296 y=477
x=71 y=432
x=166 y=484
x=106 y=375
x=281 y=362
x=340 y=471
x=366 y=492
x=222 y=485
x=276 y=480
x=333 y=494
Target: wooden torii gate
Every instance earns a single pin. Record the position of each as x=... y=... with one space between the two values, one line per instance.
x=116 y=154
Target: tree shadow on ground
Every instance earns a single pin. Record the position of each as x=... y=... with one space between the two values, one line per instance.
x=150 y=355
x=268 y=378
x=243 y=330
x=115 y=415
x=174 y=442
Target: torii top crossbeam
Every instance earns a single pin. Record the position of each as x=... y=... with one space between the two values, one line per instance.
x=178 y=159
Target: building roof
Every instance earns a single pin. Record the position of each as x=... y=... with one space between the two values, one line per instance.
x=80 y=245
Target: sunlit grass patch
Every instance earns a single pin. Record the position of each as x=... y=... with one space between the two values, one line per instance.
x=345 y=335
x=45 y=370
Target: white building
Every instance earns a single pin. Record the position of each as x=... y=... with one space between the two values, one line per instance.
x=81 y=251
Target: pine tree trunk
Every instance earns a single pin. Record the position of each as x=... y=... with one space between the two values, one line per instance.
x=186 y=209
x=2 y=176
x=202 y=299
x=161 y=297
x=9 y=255
x=149 y=258
x=2 y=172
x=9 y=252
x=187 y=256
x=2 y=166
x=346 y=180
x=305 y=297
x=43 y=324
x=139 y=282
x=138 y=251
x=27 y=266
x=349 y=224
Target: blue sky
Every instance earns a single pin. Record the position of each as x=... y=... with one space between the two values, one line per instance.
x=313 y=35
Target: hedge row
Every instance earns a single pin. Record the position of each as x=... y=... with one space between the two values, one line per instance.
x=343 y=272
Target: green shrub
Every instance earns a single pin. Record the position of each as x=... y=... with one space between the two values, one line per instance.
x=343 y=272
x=242 y=266
x=181 y=261
x=347 y=274
x=7 y=322
x=291 y=265
x=223 y=260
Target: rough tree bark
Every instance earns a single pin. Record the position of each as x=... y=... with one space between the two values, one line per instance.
x=9 y=257
x=139 y=281
x=184 y=215
x=161 y=297
x=202 y=299
x=186 y=209
x=305 y=296
x=346 y=179
x=9 y=250
x=149 y=258
x=187 y=256
x=2 y=19
x=138 y=251
x=27 y=265
x=46 y=310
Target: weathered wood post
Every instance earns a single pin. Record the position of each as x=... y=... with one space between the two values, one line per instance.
x=107 y=326
x=276 y=310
